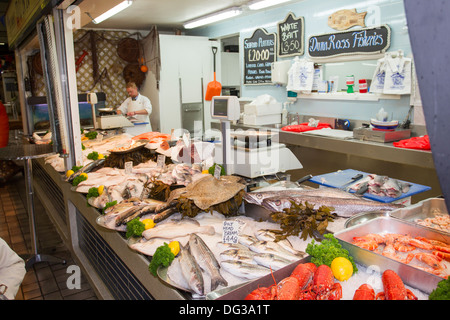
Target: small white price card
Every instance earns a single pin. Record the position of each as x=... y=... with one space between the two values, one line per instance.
x=128 y=167
x=161 y=160
x=231 y=231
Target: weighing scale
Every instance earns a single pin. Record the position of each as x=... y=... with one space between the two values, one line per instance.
x=248 y=153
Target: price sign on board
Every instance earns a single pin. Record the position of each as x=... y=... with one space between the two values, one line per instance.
x=259 y=53
x=291 y=36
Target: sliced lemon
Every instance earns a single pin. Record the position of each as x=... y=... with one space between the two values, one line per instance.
x=101 y=189
x=69 y=173
x=174 y=247
x=205 y=171
x=148 y=223
x=100 y=156
x=84 y=174
x=342 y=268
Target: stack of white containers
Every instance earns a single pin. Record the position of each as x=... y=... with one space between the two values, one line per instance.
x=262 y=111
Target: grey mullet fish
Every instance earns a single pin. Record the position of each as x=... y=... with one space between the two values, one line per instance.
x=206 y=260
x=191 y=271
x=343 y=207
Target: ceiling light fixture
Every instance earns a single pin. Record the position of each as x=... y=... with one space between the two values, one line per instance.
x=108 y=14
x=265 y=3
x=218 y=16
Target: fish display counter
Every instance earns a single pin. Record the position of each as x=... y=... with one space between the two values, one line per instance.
x=123 y=221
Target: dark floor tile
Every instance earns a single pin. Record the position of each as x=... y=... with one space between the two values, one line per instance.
x=53 y=296
x=33 y=294
x=48 y=286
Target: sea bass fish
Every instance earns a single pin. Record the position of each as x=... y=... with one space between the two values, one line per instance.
x=244 y=255
x=342 y=207
x=275 y=248
x=270 y=260
x=177 y=228
x=268 y=235
x=206 y=260
x=191 y=271
x=244 y=270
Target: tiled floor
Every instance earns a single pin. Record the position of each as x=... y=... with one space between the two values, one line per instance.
x=43 y=281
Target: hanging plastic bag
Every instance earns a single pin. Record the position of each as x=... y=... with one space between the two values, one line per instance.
x=301 y=76
x=377 y=85
x=418 y=143
x=398 y=75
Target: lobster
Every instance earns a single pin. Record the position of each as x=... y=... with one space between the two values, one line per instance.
x=364 y=292
x=261 y=293
x=394 y=289
x=322 y=286
x=286 y=289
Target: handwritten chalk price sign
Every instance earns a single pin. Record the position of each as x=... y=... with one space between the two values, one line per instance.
x=290 y=36
x=231 y=231
x=259 y=53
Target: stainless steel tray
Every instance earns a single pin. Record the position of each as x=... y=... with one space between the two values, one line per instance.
x=411 y=276
x=424 y=209
x=266 y=281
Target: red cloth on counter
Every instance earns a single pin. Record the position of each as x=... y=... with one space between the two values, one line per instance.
x=419 y=143
x=302 y=127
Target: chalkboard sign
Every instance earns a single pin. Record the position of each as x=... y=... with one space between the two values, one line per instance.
x=290 y=36
x=259 y=53
x=361 y=41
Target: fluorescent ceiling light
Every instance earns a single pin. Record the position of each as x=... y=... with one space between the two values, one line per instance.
x=265 y=3
x=221 y=15
x=108 y=14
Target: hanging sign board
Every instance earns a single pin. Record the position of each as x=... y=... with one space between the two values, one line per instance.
x=259 y=53
x=290 y=36
x=361 y=41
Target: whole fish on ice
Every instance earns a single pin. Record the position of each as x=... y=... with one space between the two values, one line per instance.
x=342 y=207
x=206 y=260
x=191 y=271
x=271 y=260
x=268 y=235
x=258 y=197
x=244 y=270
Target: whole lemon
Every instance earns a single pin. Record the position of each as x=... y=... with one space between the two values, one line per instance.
x=342 y=268
x=69 y=173
x=148 y=223
x=174 y=247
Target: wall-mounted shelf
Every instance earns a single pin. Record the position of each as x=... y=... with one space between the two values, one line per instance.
x=348 y=96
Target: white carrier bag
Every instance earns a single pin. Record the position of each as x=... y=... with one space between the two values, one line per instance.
x=301 y=76
x=377 y=84
x=398 y=75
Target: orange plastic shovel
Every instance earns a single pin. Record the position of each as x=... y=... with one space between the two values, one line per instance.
x=214 y=87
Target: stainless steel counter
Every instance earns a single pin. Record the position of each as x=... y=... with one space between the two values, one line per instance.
x=319 y=155
x=113 y=269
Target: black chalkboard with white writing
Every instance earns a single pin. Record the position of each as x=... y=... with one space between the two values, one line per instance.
x=290 y=36
x=259 y=53
x=361 y=41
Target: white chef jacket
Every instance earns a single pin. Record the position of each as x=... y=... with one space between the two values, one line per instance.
x=12 y=270
x=142 y=102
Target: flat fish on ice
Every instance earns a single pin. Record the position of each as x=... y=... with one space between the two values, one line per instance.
x=177 y=228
